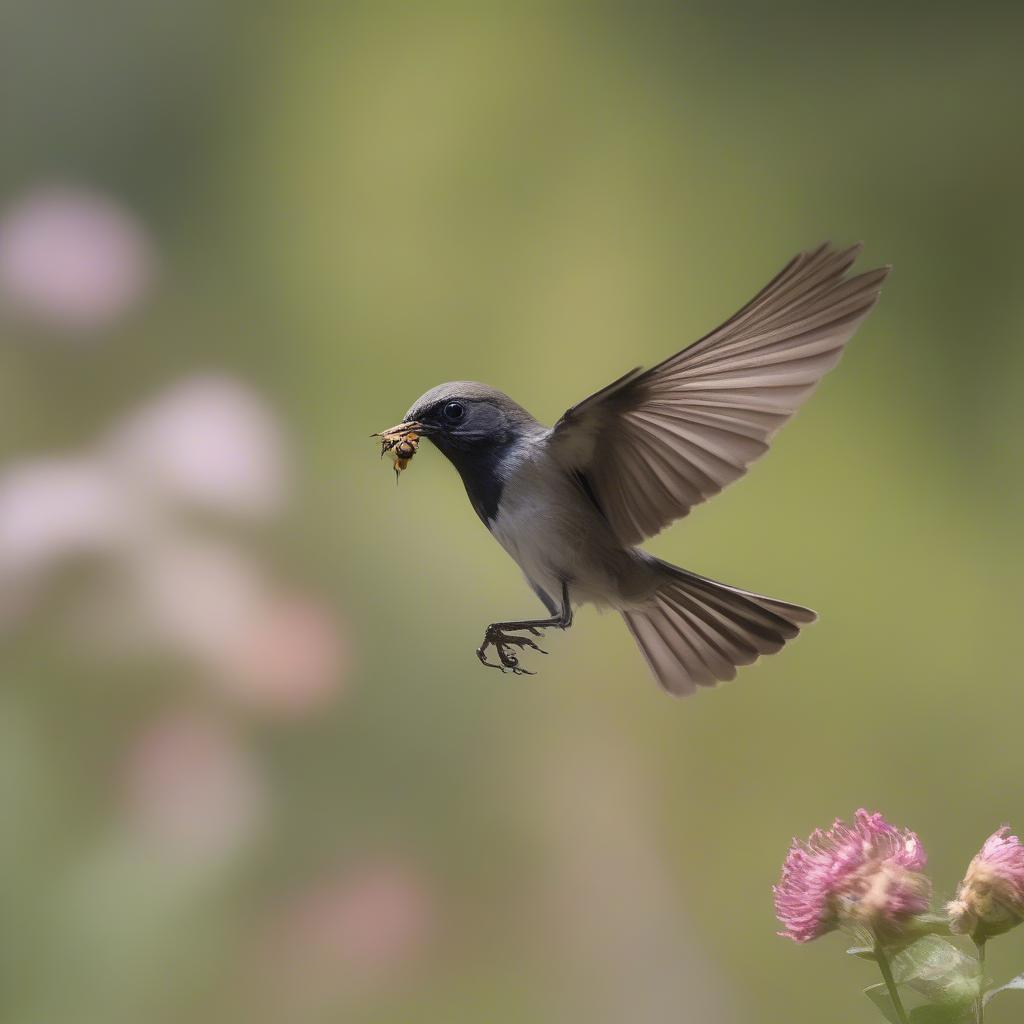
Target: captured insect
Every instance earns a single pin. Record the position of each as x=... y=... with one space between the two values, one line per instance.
x=401 y=444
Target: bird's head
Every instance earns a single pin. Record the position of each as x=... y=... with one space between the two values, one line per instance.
x=466 y=421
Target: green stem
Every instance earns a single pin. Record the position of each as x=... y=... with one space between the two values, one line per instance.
x=890 y=982
x=981 y=982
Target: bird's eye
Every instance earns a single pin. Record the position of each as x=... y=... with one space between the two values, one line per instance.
x=454 y=411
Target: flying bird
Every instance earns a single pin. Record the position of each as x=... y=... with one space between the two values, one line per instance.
x=570 y=503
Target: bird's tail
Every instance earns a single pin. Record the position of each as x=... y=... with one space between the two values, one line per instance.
x=696 y=631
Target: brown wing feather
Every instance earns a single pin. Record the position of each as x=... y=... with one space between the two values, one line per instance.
x=697 y=631
x=655 y=443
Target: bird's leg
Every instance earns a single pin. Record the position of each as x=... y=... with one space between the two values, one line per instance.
x=501 y=636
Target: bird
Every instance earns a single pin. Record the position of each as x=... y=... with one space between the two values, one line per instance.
x=571 y=503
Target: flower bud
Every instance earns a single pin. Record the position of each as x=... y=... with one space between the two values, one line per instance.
x=990 y=899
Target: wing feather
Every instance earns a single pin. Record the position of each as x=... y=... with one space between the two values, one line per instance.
x=655 y=443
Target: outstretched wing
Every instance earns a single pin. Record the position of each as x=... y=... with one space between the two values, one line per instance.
x=654 y=443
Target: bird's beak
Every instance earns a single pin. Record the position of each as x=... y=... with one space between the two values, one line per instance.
x=401 y=429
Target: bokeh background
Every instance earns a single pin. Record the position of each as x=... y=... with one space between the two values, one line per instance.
x=249 y=766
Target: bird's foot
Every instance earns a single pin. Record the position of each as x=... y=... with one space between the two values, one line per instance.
x=501 y=641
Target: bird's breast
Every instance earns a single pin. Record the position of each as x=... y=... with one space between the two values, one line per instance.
x=554 y=533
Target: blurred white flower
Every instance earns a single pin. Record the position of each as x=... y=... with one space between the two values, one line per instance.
x=171 y=586
x=72 y=259
x=191 y=789
x=208 y=442
x=55 y=508
x=289 y=659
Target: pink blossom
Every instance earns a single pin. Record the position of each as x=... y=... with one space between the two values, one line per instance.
x=865 y=874
x=199 y=596
x=270 y=648
x=289 y=659
x=990 y=899
x=191 y=789
x=209 y=442
x=345 y=937
x=355 y=927
x=53 y=508
x=72 y=259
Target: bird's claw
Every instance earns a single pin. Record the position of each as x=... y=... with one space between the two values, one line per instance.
x=501 y=641
x=521 y=641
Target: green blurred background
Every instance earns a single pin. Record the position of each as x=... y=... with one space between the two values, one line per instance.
x=249 y=766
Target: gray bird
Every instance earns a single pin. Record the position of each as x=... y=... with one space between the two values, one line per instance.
x=570 y=502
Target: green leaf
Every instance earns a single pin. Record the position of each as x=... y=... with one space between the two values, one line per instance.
x=948 y=1014
x=929 y=924
x=938 y=970
x=879 y=995
x=927 y=957
x=863 y=952
x=1013 y=983
x=917 y=928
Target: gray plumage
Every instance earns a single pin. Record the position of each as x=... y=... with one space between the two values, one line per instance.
x=570 y=503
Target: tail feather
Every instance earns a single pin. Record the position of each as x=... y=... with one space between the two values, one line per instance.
x=697 y=631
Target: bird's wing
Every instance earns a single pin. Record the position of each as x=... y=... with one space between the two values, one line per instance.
x=654 y=443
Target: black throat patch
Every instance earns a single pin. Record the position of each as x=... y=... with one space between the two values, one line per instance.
x=480 y=469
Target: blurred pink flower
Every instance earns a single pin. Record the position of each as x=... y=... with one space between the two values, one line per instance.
x=200 y=596
x=208 y=442
x=289 y=658
x=52 y=508
x=369 y=920
x=990 y=899
x=866 y=874
x=72 y=259
x=212 y=603
x=191 y=789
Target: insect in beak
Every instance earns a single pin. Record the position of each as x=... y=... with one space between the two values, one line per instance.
x=400 y=442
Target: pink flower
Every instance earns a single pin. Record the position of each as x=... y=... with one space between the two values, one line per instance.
x=55 y=508
x=209 y=442
x=191 y=789
x=867 y=874
x=289 y=659
x=990 y=899
x=345 y=937
x=351 y=932
x=272 y=649
x=72 y=259
x=376 y=918
x=199 y=596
